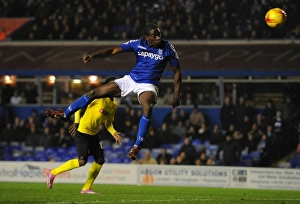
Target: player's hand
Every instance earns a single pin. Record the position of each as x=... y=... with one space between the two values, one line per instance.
x=86 y=58
x=118 y=138
x=73 y=129
x=176 y=102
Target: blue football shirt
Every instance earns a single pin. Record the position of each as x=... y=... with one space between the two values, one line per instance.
x=150 y=62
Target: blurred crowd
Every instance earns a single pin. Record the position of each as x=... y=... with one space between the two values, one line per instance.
x=124 y=19
x=187 y=134
x=268 y=134
x=272 y=133
x=184 y=136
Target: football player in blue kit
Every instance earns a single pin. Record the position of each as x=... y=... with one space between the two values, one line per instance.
x=152 y=55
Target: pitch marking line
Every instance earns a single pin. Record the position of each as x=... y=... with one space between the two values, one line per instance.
x=171 y=200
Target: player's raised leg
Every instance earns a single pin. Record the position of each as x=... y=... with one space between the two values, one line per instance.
x=106 y=90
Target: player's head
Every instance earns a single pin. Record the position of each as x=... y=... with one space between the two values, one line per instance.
x=152 y=34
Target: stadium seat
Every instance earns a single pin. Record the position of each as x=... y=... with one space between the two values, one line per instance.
x=176 y=152
x=72 y=152
x=57 y=158
x=244 y=152
x=127 y=141
x=142 y=153
x=115 y=160
x=111 y=156
x=73 y=155
x=167 y=146
x=284 y=165
x=255 y=155
x=120 y=151
x=297 y=155
x=126 y=160
x=14 y=143
x=31 y=158
x=16 y=147
x=108 y=151
x=206 y=143
x=41 y=156
x=241 y=163
x=212 y=149
x=50 y=150
x=6 y=150
x=39 y=148
x=170 y=151
x=62 y=151
x=105 y=143
x=19 y=158
x=91 y=159
x=127 y=148
x=247 y=159
x=176 y=147
x=155 y=152
x=294 y=162
x=27 y=150
x=197 y=141
x=8 y=157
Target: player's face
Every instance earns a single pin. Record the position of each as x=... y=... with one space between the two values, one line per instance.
x=153 y=39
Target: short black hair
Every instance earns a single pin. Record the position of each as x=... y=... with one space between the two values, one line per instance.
x=148 y=27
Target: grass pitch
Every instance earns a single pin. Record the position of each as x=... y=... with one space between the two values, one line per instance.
x=69 y=194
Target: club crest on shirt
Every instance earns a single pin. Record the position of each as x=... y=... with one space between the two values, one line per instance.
x=104 y=112
x=160 y=51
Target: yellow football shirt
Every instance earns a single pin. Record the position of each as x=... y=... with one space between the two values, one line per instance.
x=97 y=112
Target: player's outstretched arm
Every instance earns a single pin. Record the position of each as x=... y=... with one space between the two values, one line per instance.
x=73 y=129
x=106 y=52
x=177 y=85
x=117 y=135
x=74 y=126
x=118 y=138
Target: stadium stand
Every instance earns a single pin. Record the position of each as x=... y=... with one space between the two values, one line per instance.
x=120 y=20
x=111 y=20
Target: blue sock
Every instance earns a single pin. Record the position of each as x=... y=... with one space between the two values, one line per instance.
x=143 y=128
x=79 y=103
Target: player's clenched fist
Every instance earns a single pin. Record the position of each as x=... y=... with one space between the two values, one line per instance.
x=86 y=58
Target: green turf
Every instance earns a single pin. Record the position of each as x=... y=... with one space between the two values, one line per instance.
x=69 y=193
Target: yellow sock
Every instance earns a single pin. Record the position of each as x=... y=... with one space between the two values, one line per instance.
x=92 y=175
x=69 y=165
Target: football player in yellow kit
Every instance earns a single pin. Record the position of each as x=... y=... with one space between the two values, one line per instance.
x=85 y=129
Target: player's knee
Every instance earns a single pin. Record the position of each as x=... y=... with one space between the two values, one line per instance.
x=148 y=109
x=100 y=161
x=82 y=162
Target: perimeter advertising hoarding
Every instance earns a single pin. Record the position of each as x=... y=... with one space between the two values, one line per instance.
x=184 y=175
x=195 y=56
x=212 y=176
x=36 y=172
x=164 y=175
